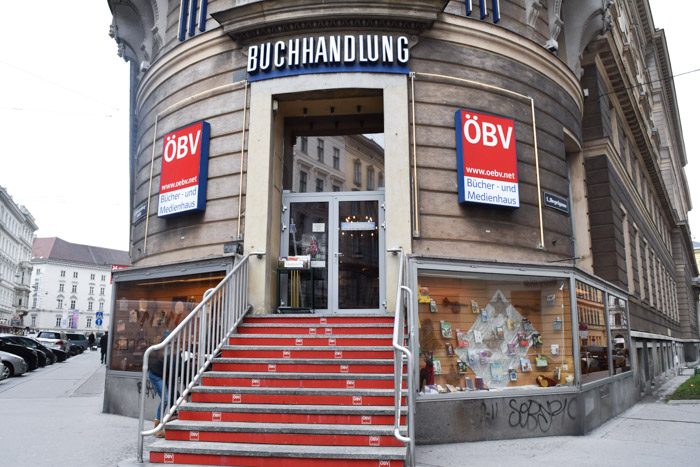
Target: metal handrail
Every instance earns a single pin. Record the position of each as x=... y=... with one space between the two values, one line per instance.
x=403 y=321
x=191 y=347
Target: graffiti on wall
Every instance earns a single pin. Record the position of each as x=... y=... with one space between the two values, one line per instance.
x=150 y=390
x=534 y=415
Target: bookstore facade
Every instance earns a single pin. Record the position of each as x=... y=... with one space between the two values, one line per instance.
x=492 y=146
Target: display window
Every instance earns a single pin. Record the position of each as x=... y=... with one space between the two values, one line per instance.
x=146 y=311
x=494 y=333
x=619 y=331
x=592 y=332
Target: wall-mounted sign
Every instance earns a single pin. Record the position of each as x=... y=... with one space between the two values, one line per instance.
x=484 y=10
x=328 y=54
x=139 y=212
x=487 y=169
x=358 y=226
x=183 y=176
x=556 y=202
x=188 y=18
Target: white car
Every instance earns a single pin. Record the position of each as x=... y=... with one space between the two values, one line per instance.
x=12 y=365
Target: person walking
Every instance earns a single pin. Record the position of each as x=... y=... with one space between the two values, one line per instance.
x=103 y=347
x=91 y=341
x=156 y=363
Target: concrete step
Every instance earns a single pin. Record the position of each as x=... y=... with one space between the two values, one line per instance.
x=282 y=433
x=294 y=351
x=270 y=455
x=266 y=413
x=300 y=380
x=309 y=340
x=304 y=396
x=309 y=329
x=288 y=365
x=320 y=319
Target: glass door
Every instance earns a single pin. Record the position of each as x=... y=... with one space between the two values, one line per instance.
x=343 y=234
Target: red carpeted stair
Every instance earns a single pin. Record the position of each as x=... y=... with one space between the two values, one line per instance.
x=293 y=390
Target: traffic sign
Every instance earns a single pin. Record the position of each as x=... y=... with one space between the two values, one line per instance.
x=99 y=315
x=98 y=322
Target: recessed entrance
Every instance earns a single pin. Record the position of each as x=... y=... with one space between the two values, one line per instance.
x=333 y=201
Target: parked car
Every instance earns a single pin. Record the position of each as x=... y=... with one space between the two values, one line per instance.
x=29 y=355
x=78 y=340
x=43 y=359
x=14 y=365
x=51 y=356
x=54 y=340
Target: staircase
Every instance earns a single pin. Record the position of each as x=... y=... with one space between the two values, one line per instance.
x=293 y=390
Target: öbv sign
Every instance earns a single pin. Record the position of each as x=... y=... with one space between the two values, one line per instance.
x=487 y=171
x=183 y=177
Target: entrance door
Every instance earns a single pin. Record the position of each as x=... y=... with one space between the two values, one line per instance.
x=343 y=233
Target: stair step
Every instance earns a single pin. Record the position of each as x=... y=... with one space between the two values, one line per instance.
x=294 y=351
x=265 y=413
x=319 y=320
x=321 y=396
x=288 y=365
x=282 y=433
x=270 y=455
x=314 y=330
x=307 y=340
x=301 y=380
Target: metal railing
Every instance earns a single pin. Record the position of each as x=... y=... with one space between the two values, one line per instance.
x=402 y=340
x=191 y=347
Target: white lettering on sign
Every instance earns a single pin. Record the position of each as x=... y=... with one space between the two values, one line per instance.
x=356 y=400
x=344 y=368
x=312 y=331
x=331 y=341
x=384 y=463
x=236 y=398
x=194 y=435
x=169 y=458
x=329 y=331
x=299 y=342
x=366 y=420
x=271 y=367
x=324 y=321
x=350 y=384
x=180 y=146
x=255 y=383
x=329 y=53
x=286 y=354
x=374 y=440
x=338 y=354
x=216 y=416
x=485 y=133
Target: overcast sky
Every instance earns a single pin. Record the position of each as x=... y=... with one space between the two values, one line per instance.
x=64 y=119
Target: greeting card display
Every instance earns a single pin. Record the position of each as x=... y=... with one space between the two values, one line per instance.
x=525 y=365
x=498 y=372
x=423 y=295
x=462 y=338
x=475 y=307
x=449 y=349
x=433 y=306
x=446 y=329
x=469 y=383
x=541 y=361
x=512 y=374
x=437 y=367
x=462 y=367
x=478 y=337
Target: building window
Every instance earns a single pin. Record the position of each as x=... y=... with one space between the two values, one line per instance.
x=74 y=288
x=593 y=336
x=92 y=277
x=319 y=185
x=102 y=306
x=302 y=181
x=618 y=320
x=92 y=289
x=370 y=178
x=38 y=271
x=72 y=304
x=336 y=188
x=104 y=277
x=33 y=321
x=380 y=180
x=357 y=172
x=58 y=321
x=89 y=306
x=75 y=275
x=102 y=290
x=336 y=158
x=63 y=273
x=304 y=144
x=61 y=287
x=88 y=322
x=59 y=303
x=319 y=150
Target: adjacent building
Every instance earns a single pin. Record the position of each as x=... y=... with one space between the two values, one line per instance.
x=531 y=167
x=17 y=229
x=71 y=285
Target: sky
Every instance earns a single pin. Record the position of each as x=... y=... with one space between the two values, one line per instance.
x=64 y=115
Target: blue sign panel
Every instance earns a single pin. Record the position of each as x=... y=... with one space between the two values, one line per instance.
x=98 y=322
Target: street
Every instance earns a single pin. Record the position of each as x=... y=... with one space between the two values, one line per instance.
x=53 y=416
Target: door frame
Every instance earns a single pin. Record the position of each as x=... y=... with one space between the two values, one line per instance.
x=334 y=199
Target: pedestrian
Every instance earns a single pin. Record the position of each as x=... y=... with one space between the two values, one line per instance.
x=91 y=341
x=103 y=347
x=156 y=362
x=677 y=364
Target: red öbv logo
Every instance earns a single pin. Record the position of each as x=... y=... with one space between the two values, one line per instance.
x=179 y=146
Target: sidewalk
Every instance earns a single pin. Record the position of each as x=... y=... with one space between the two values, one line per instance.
x=651 y=433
